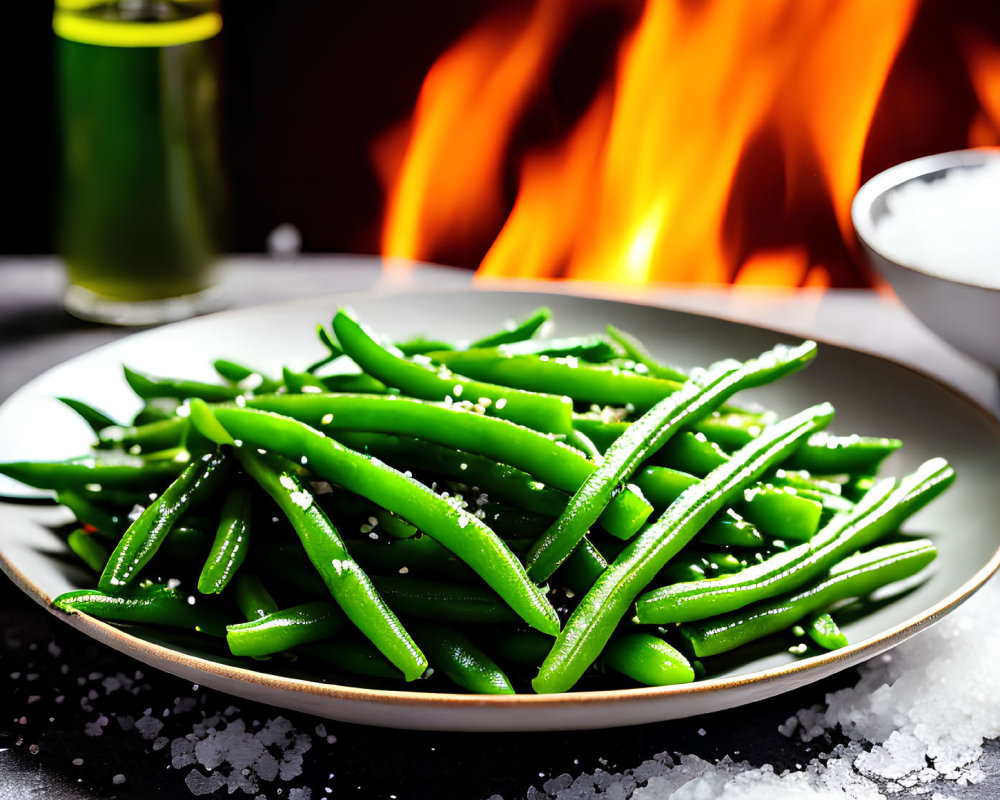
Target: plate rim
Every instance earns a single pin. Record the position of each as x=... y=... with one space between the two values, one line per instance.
x=811 y=668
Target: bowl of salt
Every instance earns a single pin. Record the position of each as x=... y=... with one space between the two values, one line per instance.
x=931 y=228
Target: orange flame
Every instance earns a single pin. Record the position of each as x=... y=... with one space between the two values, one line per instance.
x=653 y=183
x=467 y=109
x=984 y=67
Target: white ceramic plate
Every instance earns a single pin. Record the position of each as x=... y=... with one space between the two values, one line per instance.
x=872 y=396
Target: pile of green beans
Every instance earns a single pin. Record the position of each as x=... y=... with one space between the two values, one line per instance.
x=516 y=513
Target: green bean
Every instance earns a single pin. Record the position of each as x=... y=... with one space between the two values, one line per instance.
x=252 y=597
x=150 y=437
x=582 y=569
x=445 y=602
x=635 y=350
x=90 y=551
x=830 y=455
x=647 y=659
x=691 y=452
x=455 y=528
x=696 y=566
x=148 y=603
x=353 y=383
x=145 y=535
x=516 y=331
x=781 y=511
x=420 y=345
x=584 y=444
x=156 y=408
x=823 y=630
x=662 y=485
x=333 y=350
x=567 y=375
x=598 y=613
x=298 y=382
x=545 y=412
x=522 y=647
x=105 y=522
x=731 y=530
x=493 y=478
x=352 y=654
x=884 y=507
x=462 y=661
x=855 y=576
x=348 y=584
x=646 y=436
x=593 y=348
x=284 y=629
x=551 y=462
x=245 y=378
x=420 y=555
x=126 y=472
x=148 y=387
x=185 y=543
x=229 y=546
x=602 y=432
x=96 y=420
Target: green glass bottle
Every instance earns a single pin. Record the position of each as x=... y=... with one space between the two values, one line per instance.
x=140 y=213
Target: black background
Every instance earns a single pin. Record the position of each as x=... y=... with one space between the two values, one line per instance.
x=307 y=85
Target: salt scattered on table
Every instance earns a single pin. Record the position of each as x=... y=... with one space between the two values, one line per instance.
x=917 y=718
x=949 y=227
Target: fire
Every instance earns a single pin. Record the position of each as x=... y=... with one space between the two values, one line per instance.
x=984 y=67
x=727 y=133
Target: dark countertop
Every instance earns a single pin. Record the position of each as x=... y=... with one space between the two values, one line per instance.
x=79 y=720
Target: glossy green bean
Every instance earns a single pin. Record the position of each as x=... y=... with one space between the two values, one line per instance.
x=855 y=576
x=731 y=530
x=96 y=420
x=352 y=654
x=108 y=524
x=144 y=536
x=229 y=546
x=245 y=378
x=333 y=351
x=458 y=530
x=647 y=659
x=495 y=479
x=148 y=603
x=350 y=587
x=252 y=597
x=593 y=348
x=444 y=602
x=516 y=331
x=692 y=452
x=148 y=387
x=126 y=472
x=150 y=437
x=544 y=412
x=881 y=510
x=645 y=436
x=825 y=632
x=602 y=384
x=826 y=454
x=464 y=663
x=594 y=620
x=285 y=629
x=549 y=461
x=90 y=551
x=781 y=511
x=636 y=350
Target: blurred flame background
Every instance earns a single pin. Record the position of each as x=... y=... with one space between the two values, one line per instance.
x=627 y=140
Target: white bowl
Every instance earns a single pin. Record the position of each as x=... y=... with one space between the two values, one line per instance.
x=964 y=312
